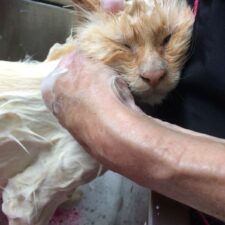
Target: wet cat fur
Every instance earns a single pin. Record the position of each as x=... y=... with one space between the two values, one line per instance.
x=145 y=37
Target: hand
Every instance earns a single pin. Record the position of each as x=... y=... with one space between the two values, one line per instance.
x=85 y=97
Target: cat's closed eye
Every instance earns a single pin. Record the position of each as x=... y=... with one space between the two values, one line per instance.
x=166 y=40
x=127 y=46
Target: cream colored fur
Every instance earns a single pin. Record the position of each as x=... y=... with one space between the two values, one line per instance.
x=40 y=163
x=44 y=162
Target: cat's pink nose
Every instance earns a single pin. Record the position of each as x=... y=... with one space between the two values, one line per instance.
x=153 y=77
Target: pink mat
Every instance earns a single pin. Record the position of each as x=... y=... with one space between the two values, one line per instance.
x=61 y=217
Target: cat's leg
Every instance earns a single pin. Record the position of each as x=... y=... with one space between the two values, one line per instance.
x=31 y=197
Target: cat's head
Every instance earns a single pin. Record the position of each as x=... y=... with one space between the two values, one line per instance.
x=146 y=43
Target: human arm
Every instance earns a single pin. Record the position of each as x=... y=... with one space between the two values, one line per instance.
x=181 y=164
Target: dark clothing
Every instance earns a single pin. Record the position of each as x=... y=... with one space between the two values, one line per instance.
x=198 y=103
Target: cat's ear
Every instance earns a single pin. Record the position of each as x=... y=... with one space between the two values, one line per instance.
x=113 y=6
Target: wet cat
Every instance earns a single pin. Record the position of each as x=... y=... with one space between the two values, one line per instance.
x=146 y=44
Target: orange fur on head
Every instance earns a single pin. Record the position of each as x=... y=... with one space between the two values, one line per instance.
x=148 y=36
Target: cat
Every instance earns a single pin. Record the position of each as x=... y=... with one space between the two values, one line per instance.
x=146 y=44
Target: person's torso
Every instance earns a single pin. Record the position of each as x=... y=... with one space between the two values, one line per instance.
x=198 y=103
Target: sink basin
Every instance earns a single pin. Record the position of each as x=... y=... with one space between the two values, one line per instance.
x=29 y=28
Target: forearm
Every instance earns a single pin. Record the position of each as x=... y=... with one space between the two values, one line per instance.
x=197 y=168
x=178 y=163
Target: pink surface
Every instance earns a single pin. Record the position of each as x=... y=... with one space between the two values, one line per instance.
x=61 y=217
x=65 y=217
x=196 y=4
x=3 y=219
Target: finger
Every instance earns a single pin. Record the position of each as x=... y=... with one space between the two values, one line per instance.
x=63 y=79
x=122 y=91
x=113 y=6
x=47 y=86
x=69 y=59
x=48 y=83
